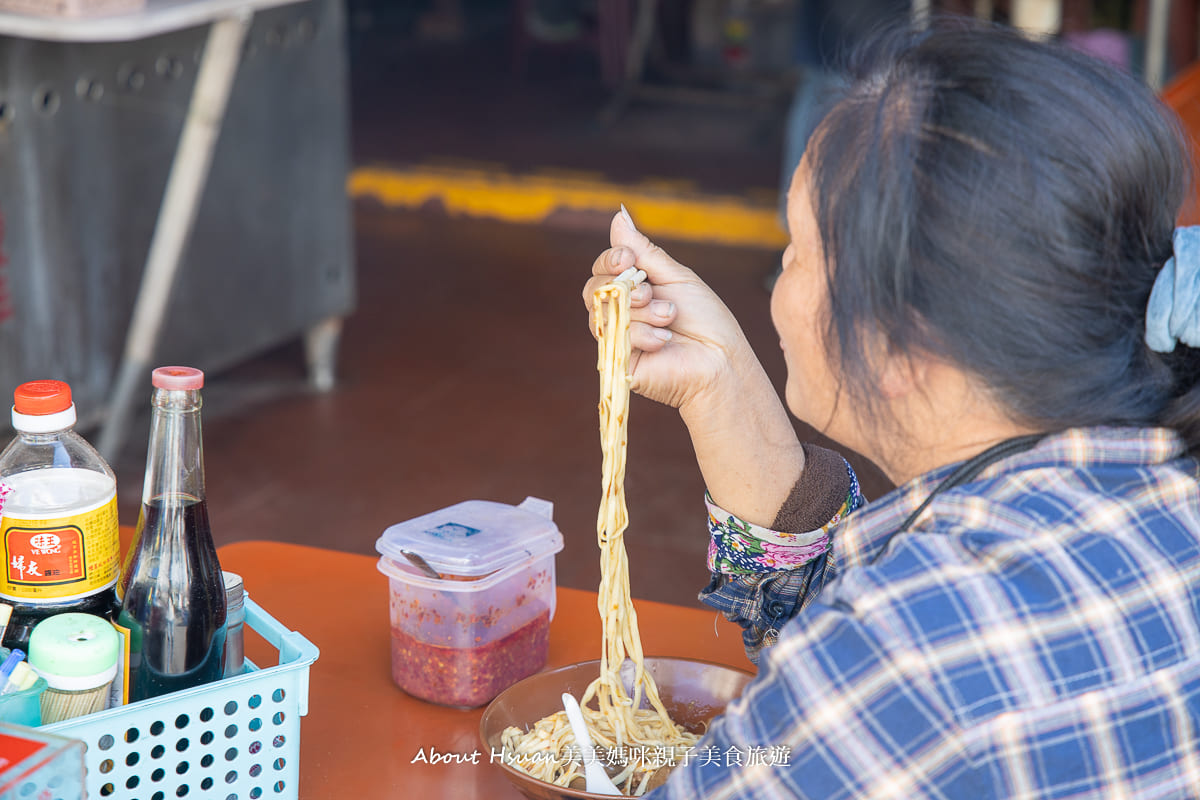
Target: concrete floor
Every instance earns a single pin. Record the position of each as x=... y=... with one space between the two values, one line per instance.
x=467 y=371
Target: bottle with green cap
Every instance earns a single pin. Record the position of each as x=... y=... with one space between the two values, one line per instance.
x=78 y=655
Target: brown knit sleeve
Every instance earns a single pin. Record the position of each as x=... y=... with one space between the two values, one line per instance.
x=817 y=495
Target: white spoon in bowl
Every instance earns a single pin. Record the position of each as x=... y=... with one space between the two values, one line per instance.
x=598 y=781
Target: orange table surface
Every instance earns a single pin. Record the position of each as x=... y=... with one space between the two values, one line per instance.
x=362 y=733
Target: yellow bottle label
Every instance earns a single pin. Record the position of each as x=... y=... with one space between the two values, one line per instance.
x=61 y=558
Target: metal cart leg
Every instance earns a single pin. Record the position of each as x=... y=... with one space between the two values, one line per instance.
x=320 y=352
x=176 y=215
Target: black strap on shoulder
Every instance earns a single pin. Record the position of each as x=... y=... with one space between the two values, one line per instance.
x=972 y=467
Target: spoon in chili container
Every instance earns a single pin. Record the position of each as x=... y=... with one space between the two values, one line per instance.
x=420 y=563
x=598 y=781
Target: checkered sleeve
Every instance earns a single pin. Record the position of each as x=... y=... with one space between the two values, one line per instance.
x=763 y=602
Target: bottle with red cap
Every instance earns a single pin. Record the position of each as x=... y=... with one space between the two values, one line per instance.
x=58 y=515
x=173 y=592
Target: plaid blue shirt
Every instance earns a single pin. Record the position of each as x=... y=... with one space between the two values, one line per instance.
x=1036 y=634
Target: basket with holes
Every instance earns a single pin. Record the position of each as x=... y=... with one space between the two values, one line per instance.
x=237 y=738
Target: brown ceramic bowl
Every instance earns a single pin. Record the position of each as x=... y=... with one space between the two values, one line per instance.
x=692 y=691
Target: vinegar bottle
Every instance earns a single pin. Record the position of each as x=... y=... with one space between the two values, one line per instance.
x=58 y=516
x=173 y=592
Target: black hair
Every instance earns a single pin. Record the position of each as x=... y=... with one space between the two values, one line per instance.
x=1005 y=204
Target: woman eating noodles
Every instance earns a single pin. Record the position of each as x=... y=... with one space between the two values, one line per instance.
x=986 y=295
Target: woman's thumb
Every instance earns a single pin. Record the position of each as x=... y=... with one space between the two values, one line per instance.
x=659 y=267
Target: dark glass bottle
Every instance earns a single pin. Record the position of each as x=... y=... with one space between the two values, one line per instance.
x=173 y=592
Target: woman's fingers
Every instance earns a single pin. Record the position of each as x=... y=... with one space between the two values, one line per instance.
x=649 y=318
x=659 y=313
x=648 y=338
x=610 y=264
x=642 y=294
x=652 y=315
x=614 y=261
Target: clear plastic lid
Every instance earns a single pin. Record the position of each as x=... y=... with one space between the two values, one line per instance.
x=475 y=537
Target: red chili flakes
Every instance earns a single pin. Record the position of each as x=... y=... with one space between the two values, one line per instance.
x=469 y=676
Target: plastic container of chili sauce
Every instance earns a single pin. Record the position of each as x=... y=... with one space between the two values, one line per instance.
x=472 y=596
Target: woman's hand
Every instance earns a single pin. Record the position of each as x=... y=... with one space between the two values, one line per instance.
x=689 y=352
x=687 y=346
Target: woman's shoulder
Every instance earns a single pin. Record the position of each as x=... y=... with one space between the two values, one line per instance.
x=1081 y=477
x=1025 y=592
x=1086 y=513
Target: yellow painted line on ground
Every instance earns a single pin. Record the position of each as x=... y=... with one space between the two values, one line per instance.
x=666 y=209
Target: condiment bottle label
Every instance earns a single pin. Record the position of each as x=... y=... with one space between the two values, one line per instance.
x=61 y=558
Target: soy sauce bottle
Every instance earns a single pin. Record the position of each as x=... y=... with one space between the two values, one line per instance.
x=58 y=516
x=173 y=592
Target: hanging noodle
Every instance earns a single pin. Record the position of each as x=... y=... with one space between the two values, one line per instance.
x=636 y=731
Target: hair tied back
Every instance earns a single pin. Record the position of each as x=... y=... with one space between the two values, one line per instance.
x=1173 y=313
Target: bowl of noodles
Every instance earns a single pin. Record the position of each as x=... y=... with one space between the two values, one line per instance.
x=527 y=725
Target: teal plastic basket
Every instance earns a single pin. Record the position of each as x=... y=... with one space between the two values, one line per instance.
x=237 y=738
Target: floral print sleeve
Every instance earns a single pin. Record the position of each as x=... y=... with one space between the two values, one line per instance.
x=762 y=577
x=737 y=547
